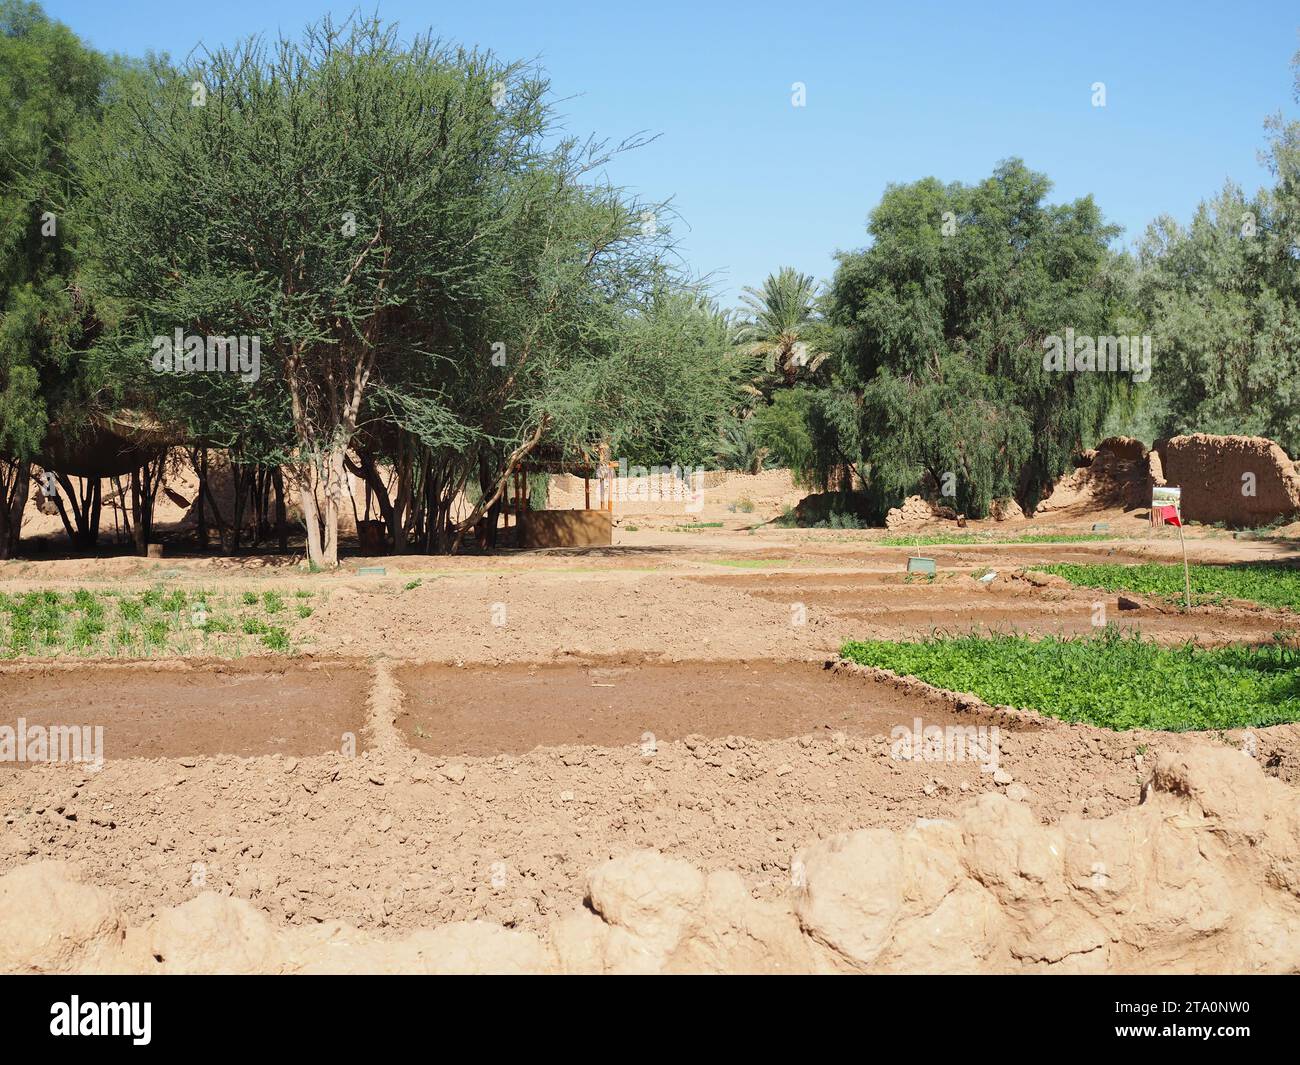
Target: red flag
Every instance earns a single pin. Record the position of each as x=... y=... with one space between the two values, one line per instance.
x=1170 y=515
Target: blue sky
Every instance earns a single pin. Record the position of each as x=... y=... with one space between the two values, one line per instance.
x=895 y=92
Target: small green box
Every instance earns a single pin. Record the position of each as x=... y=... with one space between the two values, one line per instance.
x=1101 y=526
x=921 y=565
x=372 y=571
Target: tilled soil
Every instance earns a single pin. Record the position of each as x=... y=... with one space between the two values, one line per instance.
x=887 y=606
x=245 y=708
x=504 y=771
x=513 y=708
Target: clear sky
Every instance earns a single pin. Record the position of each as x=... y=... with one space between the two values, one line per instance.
x=895 y=92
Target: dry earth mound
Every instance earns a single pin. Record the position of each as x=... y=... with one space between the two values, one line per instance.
x=1202 y=876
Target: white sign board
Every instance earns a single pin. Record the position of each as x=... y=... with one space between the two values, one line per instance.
x=1165 y=496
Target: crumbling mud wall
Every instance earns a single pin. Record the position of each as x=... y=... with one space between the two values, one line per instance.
x=1202 y=876
x=1238 y=480
x=1116 y=474
x=1123 y=449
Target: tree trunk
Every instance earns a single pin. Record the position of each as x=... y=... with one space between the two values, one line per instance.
x=201 y=466
x=511 y=463
x=15 y=484
x=240 y=476
x=281 y=526
x=367 y=470
x=86 y=503
x=320 y=483
x=119 y=499
x=310 y=517
x=331 y=505
x=144 y=489
x=138 y=519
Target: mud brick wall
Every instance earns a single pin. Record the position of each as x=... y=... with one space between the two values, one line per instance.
x=1210 y=470
x=568 y=528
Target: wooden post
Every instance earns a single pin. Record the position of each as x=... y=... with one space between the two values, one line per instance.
x=586 y=492
x=1187 y=578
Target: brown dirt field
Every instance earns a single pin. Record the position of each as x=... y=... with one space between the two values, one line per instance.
x=527 y=775
x=885 y=606
x=243 y=708
x=513 y=708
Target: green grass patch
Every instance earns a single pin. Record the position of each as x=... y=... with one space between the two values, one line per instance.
x=1111 y=680
x=150 y=623
x=276 y=639
x=955 y=539
x=1259 y=582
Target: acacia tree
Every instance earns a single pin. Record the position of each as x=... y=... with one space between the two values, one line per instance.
x=331 y=197
x=422 y=259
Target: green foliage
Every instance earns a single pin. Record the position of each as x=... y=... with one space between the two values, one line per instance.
x=1268 y=584
x=1222 y=297
x=1109 y=680
x=940 y=336
x=841 y=520
x=50 y=94
x=784 y=328
x=435 y=277
x=276 y=639
x=657 y=388
x=84 y=623
x=784 y=428
x=738 y=447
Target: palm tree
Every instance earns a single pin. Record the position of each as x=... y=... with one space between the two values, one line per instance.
x=783 y=324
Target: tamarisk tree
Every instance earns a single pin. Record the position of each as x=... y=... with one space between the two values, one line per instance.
x=941 y=326
x=50 y=88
